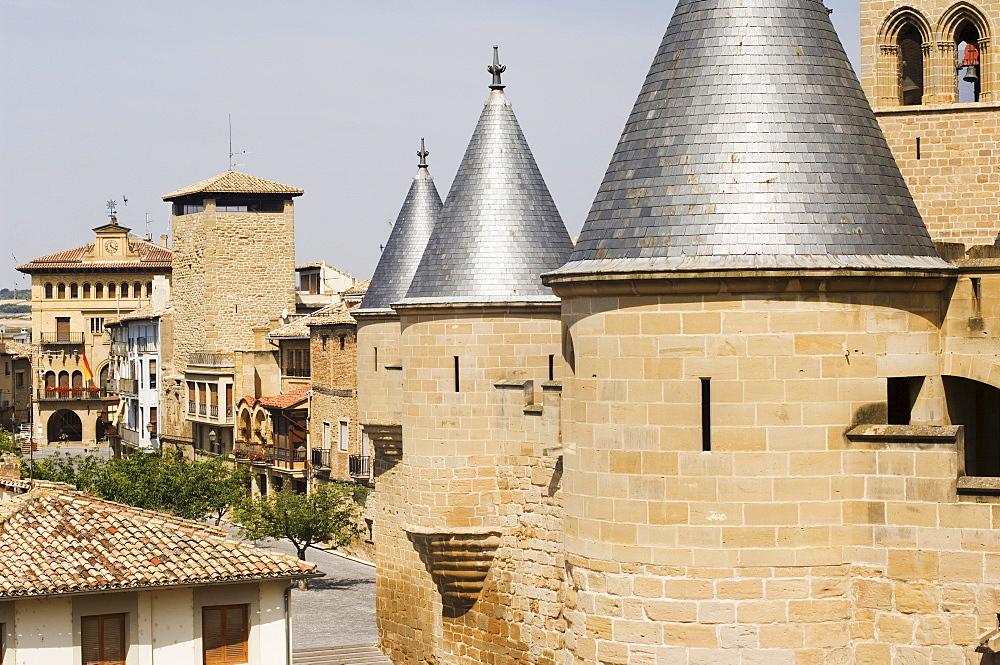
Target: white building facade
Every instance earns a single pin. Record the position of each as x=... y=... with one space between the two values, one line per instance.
x=135 y=378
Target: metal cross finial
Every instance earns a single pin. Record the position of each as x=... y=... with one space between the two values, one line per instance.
x=422 y=155
x=496 y=69
x=111 y=205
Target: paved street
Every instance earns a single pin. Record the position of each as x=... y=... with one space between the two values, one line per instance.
x=337 y=609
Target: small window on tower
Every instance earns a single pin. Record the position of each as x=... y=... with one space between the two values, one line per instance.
x=969 y=67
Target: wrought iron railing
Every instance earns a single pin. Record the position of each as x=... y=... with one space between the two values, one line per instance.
x=62 y=338
x=361 y=466
x=321 y=459
x=206 y=358
x=63 y=393
x=190 y=406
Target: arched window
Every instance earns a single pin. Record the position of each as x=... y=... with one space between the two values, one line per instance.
x=48 y=290
x=86 y=289
x=149 y=289
x=137 y=290
x=968 y=77
x=111 y=289
x=98 y=290
x=50 y=380
x=74 y=290
x=64 y=379
x=104 y=375
x=78 y=379
x=124 y=291
x=911 y=66
x=61 y=291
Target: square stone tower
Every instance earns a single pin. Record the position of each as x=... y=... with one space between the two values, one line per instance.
x=931 y=77
x=234 y=234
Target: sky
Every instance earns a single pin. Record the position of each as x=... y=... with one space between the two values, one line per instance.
x=107 y=100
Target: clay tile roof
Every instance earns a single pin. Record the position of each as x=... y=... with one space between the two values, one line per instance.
x=337 y=312
x=286 y=400
x=340 y=313
x=151 y=255
x=16 y=349
x=57 y=540
x=234 y=182
x=360 y=288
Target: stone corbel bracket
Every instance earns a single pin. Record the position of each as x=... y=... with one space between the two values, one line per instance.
x=458 y=561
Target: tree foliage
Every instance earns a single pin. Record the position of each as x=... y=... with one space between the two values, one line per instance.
x=168 y=483
x=7 y=442
x=329 y=513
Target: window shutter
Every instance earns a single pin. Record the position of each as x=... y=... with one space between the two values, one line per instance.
x=225 y=629
x=236 y=634
x=102 y=639
x=211 y=635
x=90 y=640
x=113 y=639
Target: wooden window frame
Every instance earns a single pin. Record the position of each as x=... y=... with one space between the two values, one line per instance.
x=101 y=620
x=221 y=657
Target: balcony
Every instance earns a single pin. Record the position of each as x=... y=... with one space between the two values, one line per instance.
x=321 y=459
x=127 y=386
x=207 y=359
x=191 y=406
x=213 y=410
x=130 y=437
x=119 y=349
x=361 y=466
x=202 y=409
x=66 y=394
x=61 y=338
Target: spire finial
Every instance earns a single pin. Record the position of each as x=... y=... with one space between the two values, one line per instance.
x=496 y=69
x=422 y=155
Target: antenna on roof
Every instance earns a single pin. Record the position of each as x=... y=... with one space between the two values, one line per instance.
x=148 y=235
x=232 y=164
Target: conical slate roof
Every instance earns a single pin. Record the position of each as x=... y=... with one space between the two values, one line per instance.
x=751 y=145
x=407 y=241
x=499 y=229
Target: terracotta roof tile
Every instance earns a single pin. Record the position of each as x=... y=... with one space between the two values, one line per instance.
x=360 y=288
x=285 y=400
x=56 y=540
x=14 y=348
x=236 y=183
x=151 y=256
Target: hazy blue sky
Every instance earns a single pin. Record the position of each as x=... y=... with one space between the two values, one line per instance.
x=102 y=99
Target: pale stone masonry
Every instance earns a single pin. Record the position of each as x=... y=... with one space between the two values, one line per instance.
x=945 y=144
x=762 y=425
x=235 y=253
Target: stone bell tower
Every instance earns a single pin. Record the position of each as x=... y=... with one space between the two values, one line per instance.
x=930 y=71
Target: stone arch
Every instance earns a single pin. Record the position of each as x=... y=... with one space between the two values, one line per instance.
x=899 y=19
x=902 y=58
x=65 y=422
x=965 y=23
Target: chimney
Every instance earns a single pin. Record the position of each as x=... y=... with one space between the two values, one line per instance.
x=164 y=240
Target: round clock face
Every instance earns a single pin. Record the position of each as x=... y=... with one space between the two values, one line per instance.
x=111 y=245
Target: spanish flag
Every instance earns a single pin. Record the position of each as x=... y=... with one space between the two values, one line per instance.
x=88 y=373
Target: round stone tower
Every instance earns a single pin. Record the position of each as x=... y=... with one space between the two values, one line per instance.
x=472 y=571
x=752 y=279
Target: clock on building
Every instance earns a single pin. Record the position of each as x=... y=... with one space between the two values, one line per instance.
x=111 y=246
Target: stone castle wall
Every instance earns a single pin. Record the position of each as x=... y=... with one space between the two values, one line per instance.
x=769 y=546
x=468 y=522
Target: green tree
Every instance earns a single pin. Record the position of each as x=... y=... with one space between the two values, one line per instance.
x=217 y=487
x=329 y=513
x=80 y=471
x=7 y=443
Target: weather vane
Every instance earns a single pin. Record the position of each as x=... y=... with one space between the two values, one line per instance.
x=496 y=69
x=111 y=205
x=422 y=154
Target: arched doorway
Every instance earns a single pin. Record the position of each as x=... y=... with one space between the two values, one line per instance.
x=65 y=422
